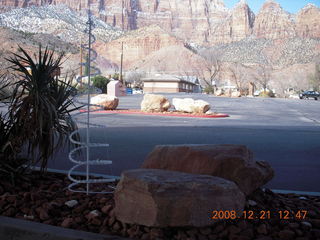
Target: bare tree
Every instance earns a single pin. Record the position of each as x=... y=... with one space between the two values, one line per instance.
x=314 y=79
x=209 y=69
x=240 y=74
x=134 y=78
x=263 y=76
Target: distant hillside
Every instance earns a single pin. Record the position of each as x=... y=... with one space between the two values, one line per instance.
x=198 y=21
x=280 y=53
x=156 y=49
x=58 y=27
x=59 y=21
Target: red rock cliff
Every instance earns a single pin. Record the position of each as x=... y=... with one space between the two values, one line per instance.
x=198 y=21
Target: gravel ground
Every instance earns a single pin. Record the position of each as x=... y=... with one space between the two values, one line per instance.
x=268 y=215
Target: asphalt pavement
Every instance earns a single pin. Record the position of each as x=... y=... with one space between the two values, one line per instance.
x=283 y=132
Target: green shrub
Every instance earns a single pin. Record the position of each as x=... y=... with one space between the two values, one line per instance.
x=209 y=89
x=41 y=104
x=267 y=93
x=116 y=76
x=100 y=82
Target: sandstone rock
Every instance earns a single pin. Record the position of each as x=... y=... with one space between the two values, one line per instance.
x=80 y=208
x=190 y=105
x=10 y=212
x=315 y=233
x=162 y=198
x=315 y=223
x=43 y=214
x=71 y=203
x=242 y=21
x=219 y=92
x=306 y=224
x=206 y=231
x=209 y=112
x=105 y=101
x=154 y=103
x=286 y=234
x=139 y=44
x=28 y=217
x=308 y=20
x=188 y=20
x=252 y=203
x=262 y=229
x=236 y=94
x=106 y=209
x=66 y=223
x=232 y=162
x=273 y=22
x=104 y=200
x=93 y=214
x=293 y=225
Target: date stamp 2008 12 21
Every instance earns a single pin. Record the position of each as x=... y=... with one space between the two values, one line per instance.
x=263 y=214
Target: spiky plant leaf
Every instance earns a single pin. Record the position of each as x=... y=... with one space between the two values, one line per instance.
x=41 y=104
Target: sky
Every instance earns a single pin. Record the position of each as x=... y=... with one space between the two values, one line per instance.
x=291 y=6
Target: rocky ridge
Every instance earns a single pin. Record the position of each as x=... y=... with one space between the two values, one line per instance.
x=137 y=45
x=198 y=21
x=155 y=49
x=280 y=53
x=11 y=39
x=58 y=21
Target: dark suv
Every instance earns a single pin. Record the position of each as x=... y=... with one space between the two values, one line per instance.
x=309 y=94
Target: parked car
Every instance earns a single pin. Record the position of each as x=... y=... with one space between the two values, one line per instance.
x=137 y=91
x=309 y=94
x=129 y=90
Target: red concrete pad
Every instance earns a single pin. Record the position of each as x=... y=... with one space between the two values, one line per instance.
x=166 y=114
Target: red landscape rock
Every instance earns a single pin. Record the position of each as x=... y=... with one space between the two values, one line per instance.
x=232 y=162
x=67 y=222
x=162 y=198
x=240 y=229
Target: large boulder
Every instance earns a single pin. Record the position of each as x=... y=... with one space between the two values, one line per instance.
x=190 y=105
x=160 y=198
x=219 y=92
x=236 y=94
x=154 y=103
x=104 y=101
x=232 y=162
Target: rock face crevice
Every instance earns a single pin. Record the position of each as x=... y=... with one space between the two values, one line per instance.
x=198 y=21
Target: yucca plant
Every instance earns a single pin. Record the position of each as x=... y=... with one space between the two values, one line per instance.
x=4 y=88
x=12 y=167
x=41 y=103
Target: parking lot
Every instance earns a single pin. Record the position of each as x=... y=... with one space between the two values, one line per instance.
x=284 y=132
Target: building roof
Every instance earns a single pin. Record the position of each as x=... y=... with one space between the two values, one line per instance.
x=167 y=78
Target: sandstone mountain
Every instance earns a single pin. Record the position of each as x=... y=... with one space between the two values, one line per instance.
x=137 y=45
x=58 y=27
x=11 y=39
x=199 y=21
x=174 y=60
x=168 y=36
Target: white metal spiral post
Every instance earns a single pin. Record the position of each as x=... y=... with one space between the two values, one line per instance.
x=92 y=55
